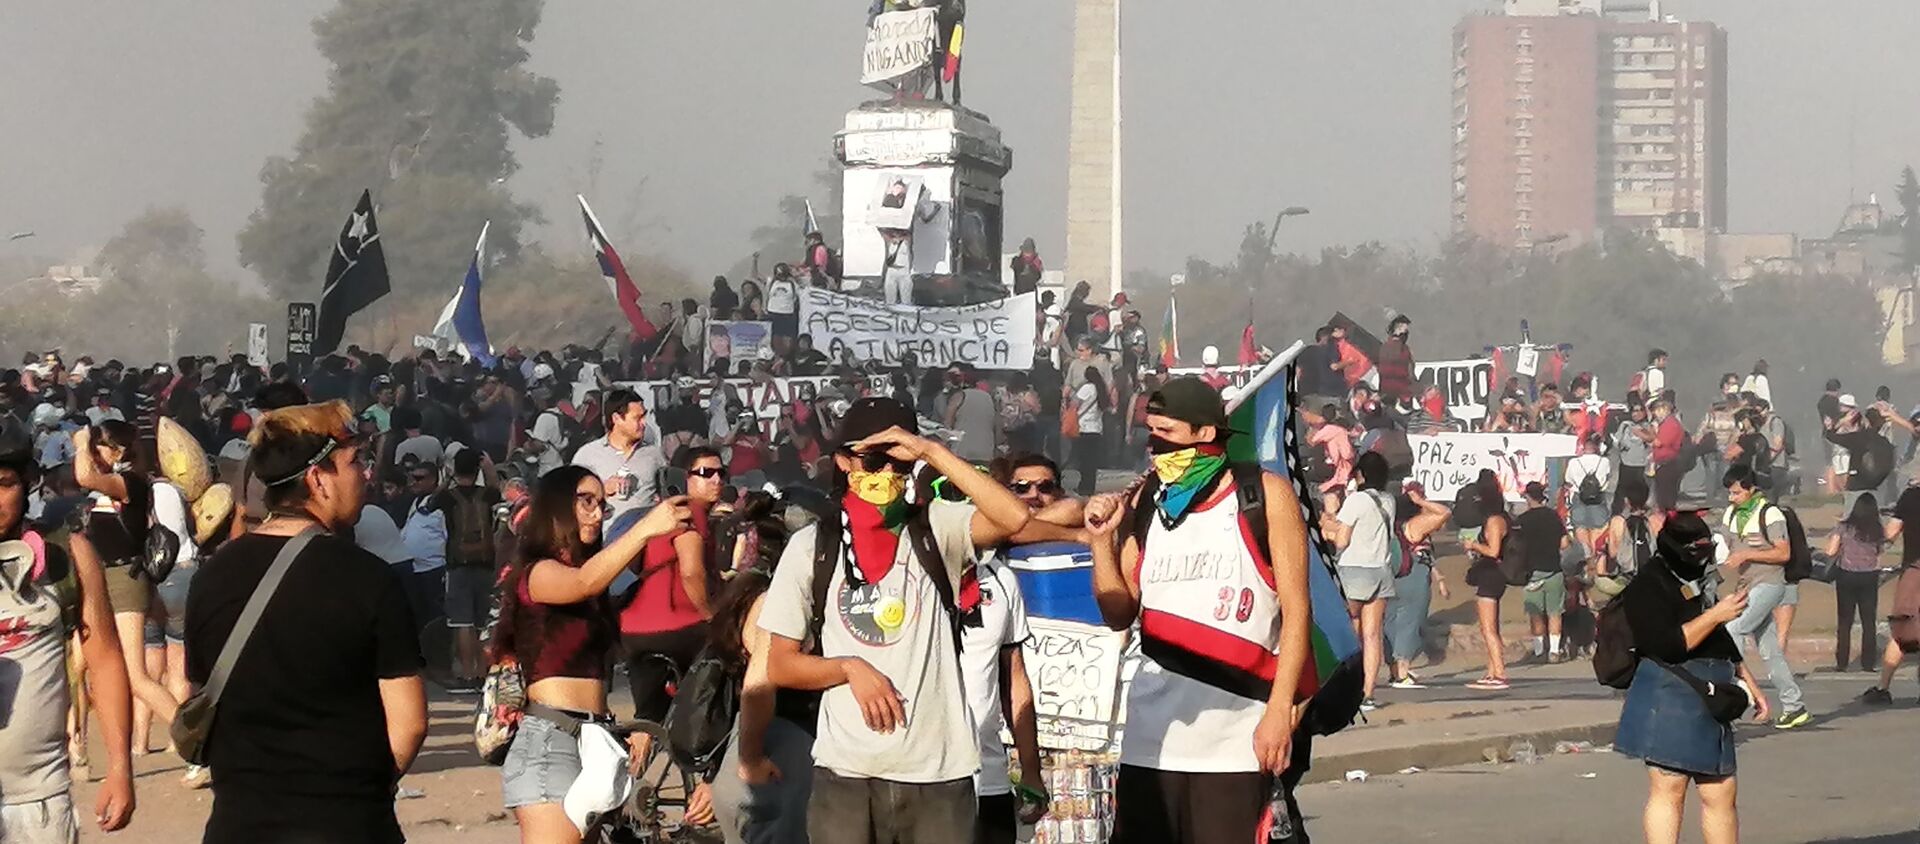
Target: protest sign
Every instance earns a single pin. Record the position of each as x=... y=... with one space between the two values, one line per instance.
x=1075 y=672
x=257 y=345
x=899 y=43
x=1444 y=463
x=737 y=340
x=990 y=335
x=1466 y=384
x=302 y=324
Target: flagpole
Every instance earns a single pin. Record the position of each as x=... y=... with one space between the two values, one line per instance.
x=1266 y=373
x=590 y=215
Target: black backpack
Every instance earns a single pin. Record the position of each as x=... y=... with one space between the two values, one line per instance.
x=1639 y=544
x=1591 y=492
x=469 y=528
x=1613 y=658
x=699 y=722
x=1799 y=563
x=1514 y=565
x=918 y=533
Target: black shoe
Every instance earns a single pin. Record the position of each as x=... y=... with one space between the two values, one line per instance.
x=1876 y=696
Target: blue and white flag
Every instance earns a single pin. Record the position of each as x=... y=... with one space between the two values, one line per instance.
x=460 y=321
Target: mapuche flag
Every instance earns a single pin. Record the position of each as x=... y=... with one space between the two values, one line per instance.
x=618 y=282
x=356 y=277
x=1263 y=432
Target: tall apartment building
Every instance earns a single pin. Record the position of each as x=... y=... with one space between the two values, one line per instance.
x=1571 y=117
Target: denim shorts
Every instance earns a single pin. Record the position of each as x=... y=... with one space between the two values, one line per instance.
x=1665 y=722
x=541 y=764
x=172 y=593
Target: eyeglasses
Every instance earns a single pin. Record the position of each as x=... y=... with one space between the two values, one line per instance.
x=708 y=472
x=589 y=502
x=1042 y=487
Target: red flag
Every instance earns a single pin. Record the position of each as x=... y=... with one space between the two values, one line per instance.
x=615 y=273
x=1249 y=350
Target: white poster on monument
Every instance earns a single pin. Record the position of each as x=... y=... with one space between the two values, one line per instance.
x=864 y=253
x=990 y=335
x=900 y=43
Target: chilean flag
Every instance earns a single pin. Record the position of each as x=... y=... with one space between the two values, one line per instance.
x=460 y=320
x=618 y=282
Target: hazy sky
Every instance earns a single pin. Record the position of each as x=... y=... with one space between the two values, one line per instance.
x=1234 y=108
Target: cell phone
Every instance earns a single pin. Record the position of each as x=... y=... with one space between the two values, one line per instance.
x=669 y=482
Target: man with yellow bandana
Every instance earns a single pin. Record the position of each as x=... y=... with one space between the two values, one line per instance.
x=1225 y=636
x=895 y=752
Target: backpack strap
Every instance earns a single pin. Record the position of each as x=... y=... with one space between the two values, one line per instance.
x=826 y=555
x=1250 y=486
x=919 y=534
x=1143 y=507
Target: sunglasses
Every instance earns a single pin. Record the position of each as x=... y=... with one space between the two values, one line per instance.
x=1042 y=487
x=874 y=461
x=708 y=472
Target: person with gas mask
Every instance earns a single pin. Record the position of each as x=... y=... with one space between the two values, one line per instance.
x=1224 y=623
x=1686 y=659
x=865 y=606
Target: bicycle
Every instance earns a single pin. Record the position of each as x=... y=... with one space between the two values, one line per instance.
x=656 y=807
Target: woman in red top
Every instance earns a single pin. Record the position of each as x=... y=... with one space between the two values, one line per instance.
x=557 y=623
x=665 y=621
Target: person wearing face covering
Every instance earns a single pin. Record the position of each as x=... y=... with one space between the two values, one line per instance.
x=1678 y=626
x=865 y=606
x=1225 y=634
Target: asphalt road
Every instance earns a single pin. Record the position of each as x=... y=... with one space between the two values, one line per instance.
x=1848 y=778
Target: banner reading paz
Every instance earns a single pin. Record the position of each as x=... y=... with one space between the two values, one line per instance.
x=990 y=335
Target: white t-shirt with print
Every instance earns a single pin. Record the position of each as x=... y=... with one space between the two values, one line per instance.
x=1003 y=624
x=937 y=742
x=1368 y=514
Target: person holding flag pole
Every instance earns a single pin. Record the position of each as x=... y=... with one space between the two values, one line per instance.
x=1225 y=576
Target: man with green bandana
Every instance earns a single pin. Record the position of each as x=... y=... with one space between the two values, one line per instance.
x=1757 y=537
x=1225 y=631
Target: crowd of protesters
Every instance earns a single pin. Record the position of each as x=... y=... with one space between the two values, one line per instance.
x=546 y=515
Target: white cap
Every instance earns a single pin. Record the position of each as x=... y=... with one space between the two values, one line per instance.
x=1847 y=400
x=1210 y=356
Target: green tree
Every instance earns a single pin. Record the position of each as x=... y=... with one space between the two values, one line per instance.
x=780 y=241
x=157 y=290
x=421 y=97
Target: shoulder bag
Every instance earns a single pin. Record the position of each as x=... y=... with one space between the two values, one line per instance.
x=194 y=723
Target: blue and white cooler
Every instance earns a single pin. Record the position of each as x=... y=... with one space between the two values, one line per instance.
x=1056 y=579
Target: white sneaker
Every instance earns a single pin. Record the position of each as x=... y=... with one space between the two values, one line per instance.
x=1368 y=705
x=1407 y=682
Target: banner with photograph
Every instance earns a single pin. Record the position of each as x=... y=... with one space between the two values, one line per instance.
x=1444 y=463
x=737 y=340
x=990 y=335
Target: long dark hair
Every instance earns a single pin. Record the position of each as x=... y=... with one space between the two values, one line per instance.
x=1100 y=385
x=1864 y=519
x=1493 y=500
x=549 y=531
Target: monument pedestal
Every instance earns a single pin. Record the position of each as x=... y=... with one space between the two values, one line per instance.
x=929 y=172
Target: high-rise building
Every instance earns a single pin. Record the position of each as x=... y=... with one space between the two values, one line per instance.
x=1571 y=117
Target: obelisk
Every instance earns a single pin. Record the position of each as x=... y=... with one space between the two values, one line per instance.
x=1093 y=150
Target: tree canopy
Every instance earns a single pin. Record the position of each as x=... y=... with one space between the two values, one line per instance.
x=419 y=103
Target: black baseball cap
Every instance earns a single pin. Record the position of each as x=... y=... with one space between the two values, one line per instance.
x=1189 y=400
x=870 y=416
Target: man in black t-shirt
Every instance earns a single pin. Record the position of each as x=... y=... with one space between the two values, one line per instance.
x=325 y=708
x=1544 y=536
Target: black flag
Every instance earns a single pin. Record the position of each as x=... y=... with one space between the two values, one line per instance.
x=356 y=276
